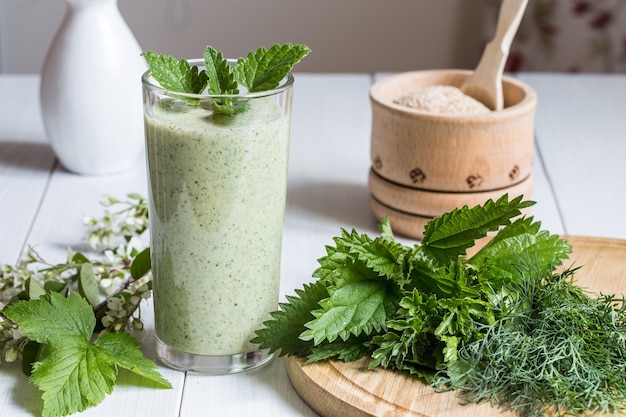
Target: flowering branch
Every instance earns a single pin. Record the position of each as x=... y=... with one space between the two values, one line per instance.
x=115 y=238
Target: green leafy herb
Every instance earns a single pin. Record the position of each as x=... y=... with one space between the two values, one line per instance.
x=436 y=312
x=74 y=373
x=450 y=235
x=501 y=325
x=221 y=78
x=563 y=352
x=111 y=287
x=174 y=74
x=261 y=70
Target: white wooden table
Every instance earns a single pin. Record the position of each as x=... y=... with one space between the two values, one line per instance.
x=580 y=171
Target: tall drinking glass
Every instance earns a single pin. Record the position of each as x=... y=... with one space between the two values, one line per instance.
x=217 y=188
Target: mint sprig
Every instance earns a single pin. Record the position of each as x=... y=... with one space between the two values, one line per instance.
x=261 y=70
x=72 y=372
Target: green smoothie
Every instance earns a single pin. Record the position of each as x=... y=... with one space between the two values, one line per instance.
x=217 y=202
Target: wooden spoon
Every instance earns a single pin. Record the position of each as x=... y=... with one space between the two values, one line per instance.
x=485 y=83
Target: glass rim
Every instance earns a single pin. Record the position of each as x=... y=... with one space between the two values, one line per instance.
x=149 y=82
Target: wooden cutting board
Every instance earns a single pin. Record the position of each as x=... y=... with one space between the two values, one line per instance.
x=333 y=388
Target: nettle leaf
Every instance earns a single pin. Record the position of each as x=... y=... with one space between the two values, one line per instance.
x=350 y=350
x=74 y=374
x=342 y=263
x=381 y=256
x=330 y=263
x=175 y=75
x=523 y=240
x=385 y=229
x=449 y=236
x=353 y=309
x=263 y=69
x=450 y=281
x=283 y=330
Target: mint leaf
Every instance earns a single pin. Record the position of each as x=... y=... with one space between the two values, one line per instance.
x=263 y=69
x=221 y=78
x=221 y=81
x=74 y=374
x=175 y=75
x=450 y=235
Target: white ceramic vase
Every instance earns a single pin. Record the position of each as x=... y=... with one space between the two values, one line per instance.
x=91 y=90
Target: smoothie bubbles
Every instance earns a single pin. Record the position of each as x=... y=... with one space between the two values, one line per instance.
x=217 y=166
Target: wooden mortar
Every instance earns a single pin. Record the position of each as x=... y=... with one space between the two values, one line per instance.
x=427 y=163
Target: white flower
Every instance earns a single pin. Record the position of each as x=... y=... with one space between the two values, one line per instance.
x=16 y=333
x=11 y=354
x=107 y=200
x=105 y=284
x=94 y=241
x=89 y=221
x=114 y=303
x=107 y=321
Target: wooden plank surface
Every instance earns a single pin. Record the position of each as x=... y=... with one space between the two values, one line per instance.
x=43 y=205
x=26 y=162
x=581 y=130
x=338 y=389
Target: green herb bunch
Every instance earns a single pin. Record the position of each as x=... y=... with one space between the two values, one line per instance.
x=501 y=325
x=260 y=70
x=411 y=308
x=564 y=353
x=50 y=314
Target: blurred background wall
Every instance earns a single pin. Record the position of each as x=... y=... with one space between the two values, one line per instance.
x=345 y=35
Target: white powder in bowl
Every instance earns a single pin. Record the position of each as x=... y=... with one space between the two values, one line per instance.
x=442 y=99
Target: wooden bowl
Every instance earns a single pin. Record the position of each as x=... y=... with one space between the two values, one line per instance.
x=451 y=152
x=409 y=209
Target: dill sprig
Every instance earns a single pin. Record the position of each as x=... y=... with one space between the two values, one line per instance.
x=563 y=355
